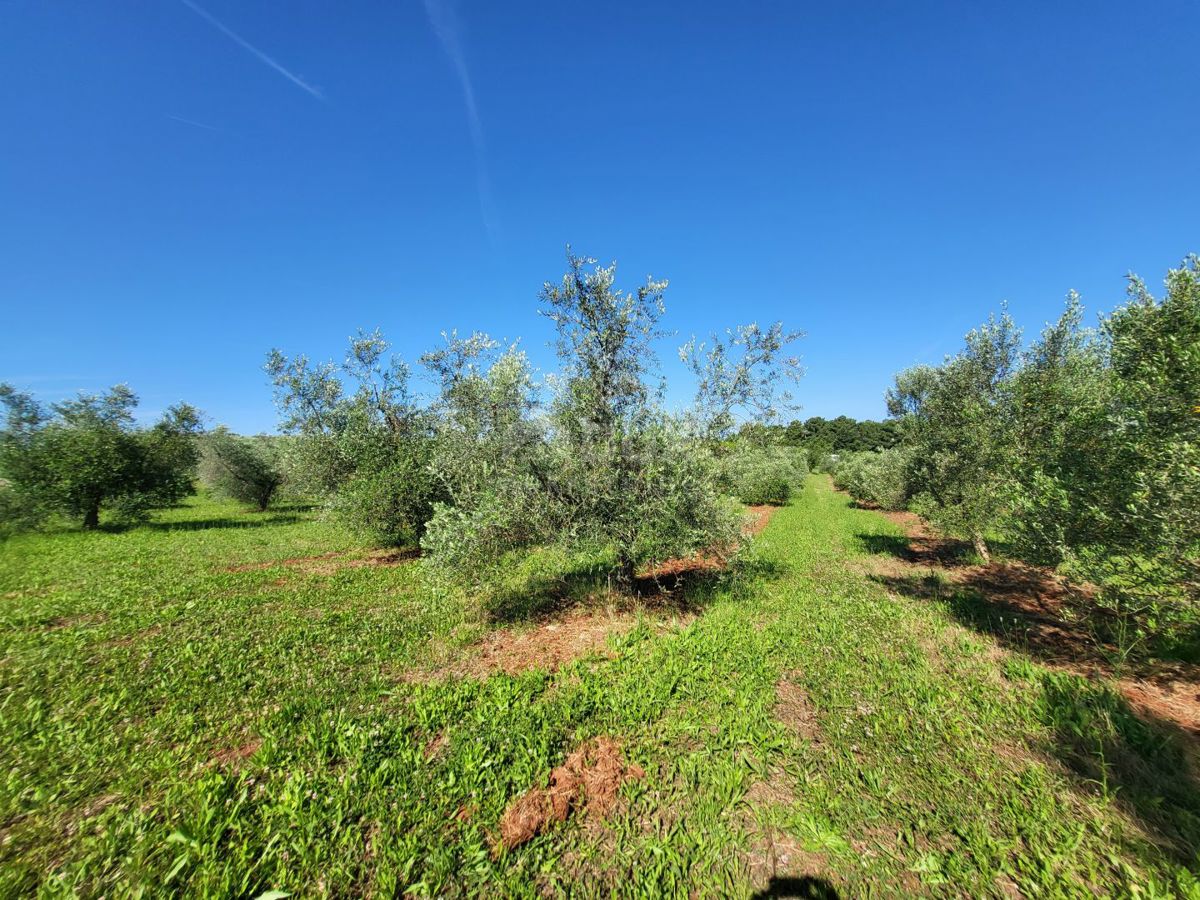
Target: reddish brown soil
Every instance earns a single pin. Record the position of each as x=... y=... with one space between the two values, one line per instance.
x=436 y=746
x=548 y=645
x=707 y=561
x=232 y=756
x=1047 y=615
x=557 y=641
x=588 y=780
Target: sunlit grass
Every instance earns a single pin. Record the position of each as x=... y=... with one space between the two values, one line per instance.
x=183 y=711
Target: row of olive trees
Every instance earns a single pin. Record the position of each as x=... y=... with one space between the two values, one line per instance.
x=490 y=467
x=1083 y=450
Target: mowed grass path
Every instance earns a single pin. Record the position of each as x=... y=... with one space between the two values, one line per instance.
x=177 y=719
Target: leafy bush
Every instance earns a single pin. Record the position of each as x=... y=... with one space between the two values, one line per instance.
x=763 y=475
x=366 y=451
x=878 y=478
x=241 y=468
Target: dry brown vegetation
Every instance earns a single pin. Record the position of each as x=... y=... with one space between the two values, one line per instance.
x=588 y=781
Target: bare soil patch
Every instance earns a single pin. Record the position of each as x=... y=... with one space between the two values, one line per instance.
x=793 y=709
x=549 y=645
x=233 y=756
x=436 y=746
x=772 y=854
x=588 y=781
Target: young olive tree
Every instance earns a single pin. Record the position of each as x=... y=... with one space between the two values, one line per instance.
x=82 y=456
x=362 y=441
x=626 y=476
x=879 y=477
x=605 y=471
x=744 y=374
x=744 y=371
x=490 y=459
x=758 y=475
x=957 y=421
x=245 y=469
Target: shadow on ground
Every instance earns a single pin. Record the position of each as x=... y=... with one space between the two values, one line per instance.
x=222 y=522
x=686 y=592
x=1145 y=762
x=923 y=550
x=807 y=887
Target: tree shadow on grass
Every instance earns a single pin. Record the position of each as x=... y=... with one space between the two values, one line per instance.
x=295 y=506
x=686 y=591
x=923 y=550
x=265 y=521
x=1145 y=762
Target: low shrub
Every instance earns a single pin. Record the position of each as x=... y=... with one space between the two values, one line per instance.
x=879 y=478
x=764 y=475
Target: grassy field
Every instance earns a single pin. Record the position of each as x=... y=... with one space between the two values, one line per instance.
x=225 y=703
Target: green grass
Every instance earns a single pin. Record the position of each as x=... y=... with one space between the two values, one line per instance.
x=132 y=663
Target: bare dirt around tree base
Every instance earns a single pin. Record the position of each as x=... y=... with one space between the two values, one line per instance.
x=548 y=645
x=574 y=633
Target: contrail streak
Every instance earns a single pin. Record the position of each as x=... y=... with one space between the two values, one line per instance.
x=445 y=25
x=250 y=48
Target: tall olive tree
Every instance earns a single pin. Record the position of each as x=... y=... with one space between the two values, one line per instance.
x=246 y=469
x=626 y=475
x=82 y=456
x=1143 y=545
x=745 y=371
x=1061 y=402
x=601 y=470
x=957 y=420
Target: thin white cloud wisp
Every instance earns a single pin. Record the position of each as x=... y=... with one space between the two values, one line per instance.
x=443 y=19
x=251 y=49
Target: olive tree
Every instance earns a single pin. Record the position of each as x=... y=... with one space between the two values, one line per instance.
x=604 y=471
x=85 y=455
x=246 y=469
x=957 y=421
x=362 y=440
x=490 y=459
x=743 y=371
x=626 y=475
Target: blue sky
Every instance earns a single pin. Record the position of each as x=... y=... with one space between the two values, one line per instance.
x=184 y=185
